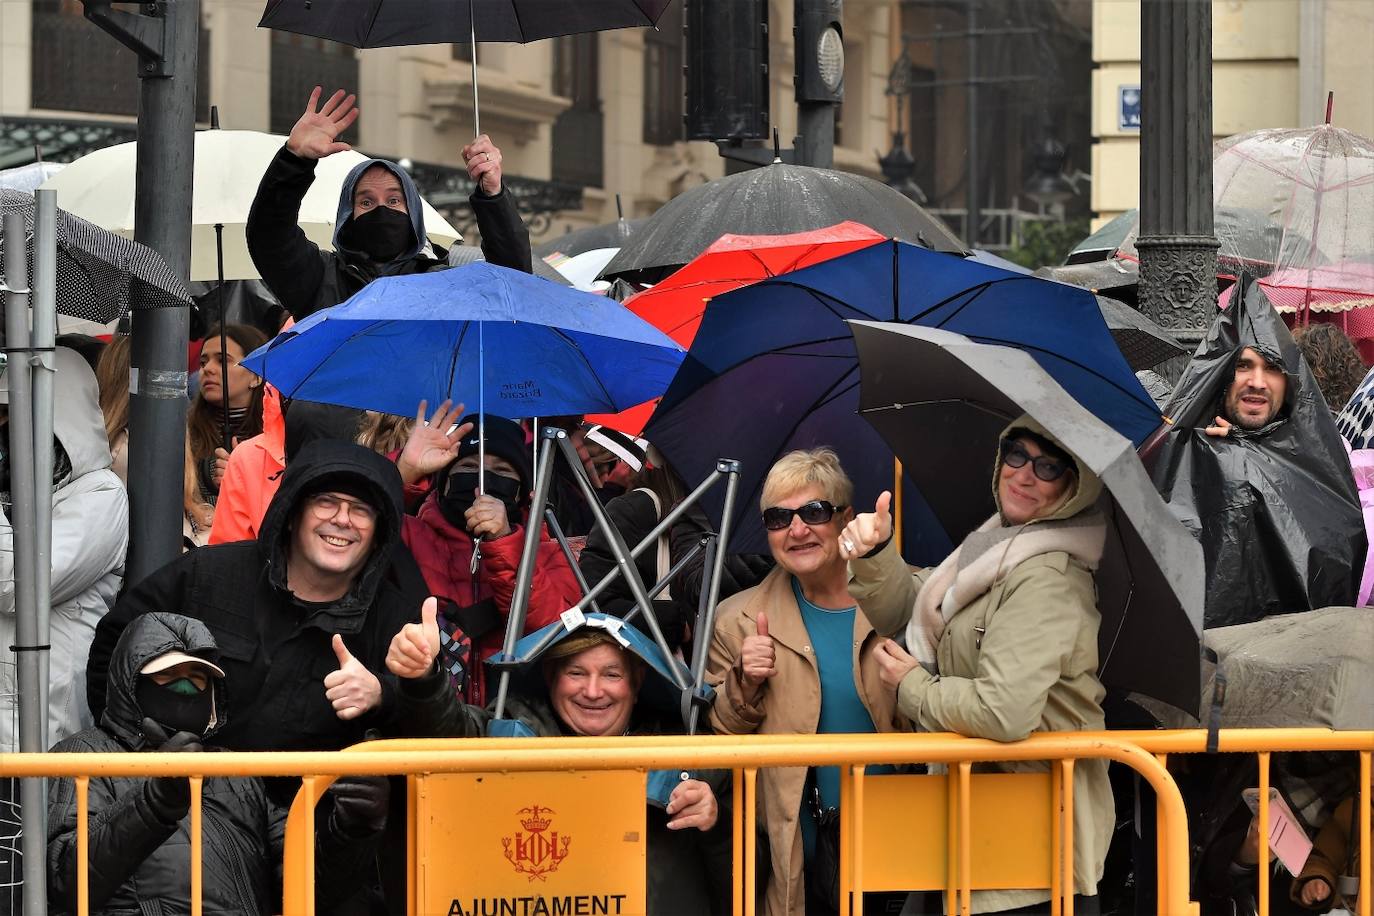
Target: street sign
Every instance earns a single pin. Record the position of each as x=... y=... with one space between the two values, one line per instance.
x=1128 y=107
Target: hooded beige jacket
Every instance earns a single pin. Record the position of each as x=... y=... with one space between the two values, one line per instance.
x=1021 y=658
x=789 y=704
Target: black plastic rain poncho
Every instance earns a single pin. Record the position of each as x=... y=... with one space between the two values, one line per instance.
x=1276 y=508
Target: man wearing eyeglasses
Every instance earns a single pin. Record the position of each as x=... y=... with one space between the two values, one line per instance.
x=796 y=655
x=303 y=614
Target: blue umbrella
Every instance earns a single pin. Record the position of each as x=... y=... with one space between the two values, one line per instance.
x=774 y=368
x=522 y=346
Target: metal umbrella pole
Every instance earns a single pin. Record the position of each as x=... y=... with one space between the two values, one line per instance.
x=472 y=33
x=23 y=525
x=44 y=367
x=223 y=340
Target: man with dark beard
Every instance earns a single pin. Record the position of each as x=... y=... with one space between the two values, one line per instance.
x=380 y=228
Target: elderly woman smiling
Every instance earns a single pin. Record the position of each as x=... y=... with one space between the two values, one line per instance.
x=1004 y=631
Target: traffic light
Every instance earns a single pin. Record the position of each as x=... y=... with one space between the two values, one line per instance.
x=727 y=69
x=819 y=42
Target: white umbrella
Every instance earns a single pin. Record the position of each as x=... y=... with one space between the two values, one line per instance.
x=28 y=177
x=229 y=164
x=582 y=269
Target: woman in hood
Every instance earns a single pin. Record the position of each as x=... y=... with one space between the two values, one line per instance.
x=1001 y=638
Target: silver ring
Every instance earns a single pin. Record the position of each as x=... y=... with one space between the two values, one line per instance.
x=848 y=545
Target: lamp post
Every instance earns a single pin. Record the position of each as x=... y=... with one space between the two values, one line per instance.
x=1047 y=185
x=898 y=165
x=1177 y=244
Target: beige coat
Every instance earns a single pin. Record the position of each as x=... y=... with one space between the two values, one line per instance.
x=789 y=704
x=1020 y=659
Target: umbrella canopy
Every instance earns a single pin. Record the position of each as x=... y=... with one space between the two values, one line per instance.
x=775 y=199
x=1143 y=343
x=229 y=165
x=95 y=268
x=941 y=401
x=28 y=177
x=606 y=235
x=773 y=366
x=542 y=349
x=580 y=270
x=393 y=23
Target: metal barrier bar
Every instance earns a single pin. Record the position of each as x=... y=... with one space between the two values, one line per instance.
x=197 y=849
x=1056 y=837
x=415 y=757
x=952 y=894
x=965 y=837
x=1263 y=844
x=737 y=840
x=856 y=882
x=1362 y=798
x=1160 y=850
x=1065 y=863
x=83 y=846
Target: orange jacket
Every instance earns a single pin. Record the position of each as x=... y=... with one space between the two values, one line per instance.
x=252 y=478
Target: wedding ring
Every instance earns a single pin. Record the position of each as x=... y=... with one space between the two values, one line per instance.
x=848 y=545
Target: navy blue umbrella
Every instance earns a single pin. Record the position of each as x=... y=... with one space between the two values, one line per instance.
x=514 y=344
x=774 y=368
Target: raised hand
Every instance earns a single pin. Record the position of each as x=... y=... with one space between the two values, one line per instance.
x=868 y=530
x=431 y=446
x=758 y=658
x=352 y=689
x=894 y=663
x=316 y=134
x=483 y=160
x=692 y=804
x=220 y=466
x=413 y=650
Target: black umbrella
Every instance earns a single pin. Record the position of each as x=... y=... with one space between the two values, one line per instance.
x=96 y=268
x=772 y=200
x=940 y=401
x=607 y=235
x=1143 y=343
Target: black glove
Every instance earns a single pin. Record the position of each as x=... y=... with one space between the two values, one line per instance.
x=360 y=805
x=170 y=796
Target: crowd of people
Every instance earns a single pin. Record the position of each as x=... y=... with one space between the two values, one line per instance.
x=347 y=575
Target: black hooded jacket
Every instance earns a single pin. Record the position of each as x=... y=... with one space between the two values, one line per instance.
x=275 y=650
x=140 y=859
x=1276 y=509
x=307 y=279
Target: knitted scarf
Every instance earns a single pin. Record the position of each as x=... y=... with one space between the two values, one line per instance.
x=984 y=557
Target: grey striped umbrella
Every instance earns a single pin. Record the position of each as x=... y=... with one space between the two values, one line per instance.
x=100 y=275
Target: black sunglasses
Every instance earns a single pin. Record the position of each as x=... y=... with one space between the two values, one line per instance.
x=816 y=512
x=1044 y=467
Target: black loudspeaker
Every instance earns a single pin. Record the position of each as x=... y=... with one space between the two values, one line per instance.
x=727 y=69
x=819 y=42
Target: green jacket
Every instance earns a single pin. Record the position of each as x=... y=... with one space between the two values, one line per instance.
x=1021 y=658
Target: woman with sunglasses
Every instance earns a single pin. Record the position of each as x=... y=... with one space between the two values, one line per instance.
x=796 y=655
x=1001 y=638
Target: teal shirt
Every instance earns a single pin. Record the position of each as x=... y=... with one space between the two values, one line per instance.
x=842 y=711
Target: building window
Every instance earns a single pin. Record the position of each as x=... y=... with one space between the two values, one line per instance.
x=299 y=64
x=663 y=80
x=577 y=132
x=78 y=67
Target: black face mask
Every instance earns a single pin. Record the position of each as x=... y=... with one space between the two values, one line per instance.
x=177 y=706
x=461 y=491
x=381 y=233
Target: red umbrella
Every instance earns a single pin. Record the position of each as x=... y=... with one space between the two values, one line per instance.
x=676 y=305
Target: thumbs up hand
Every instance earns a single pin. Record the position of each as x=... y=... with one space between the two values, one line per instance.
x=352 y=689
x=414 y=649
x=868 y=530
x=757 y=659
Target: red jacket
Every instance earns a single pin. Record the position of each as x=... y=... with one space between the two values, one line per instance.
x=444 y=554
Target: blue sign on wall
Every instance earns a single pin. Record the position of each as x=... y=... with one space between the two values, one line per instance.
x=1128 y=107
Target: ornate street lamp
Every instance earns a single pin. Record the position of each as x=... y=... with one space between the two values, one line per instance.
x=898 y=165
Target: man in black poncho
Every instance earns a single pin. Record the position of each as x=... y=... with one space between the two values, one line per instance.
x=1254 y=467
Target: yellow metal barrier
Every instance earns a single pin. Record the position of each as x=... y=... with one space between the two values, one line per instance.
x=861 y=864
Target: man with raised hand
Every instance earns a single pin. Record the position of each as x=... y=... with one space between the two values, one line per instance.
x=380 y=229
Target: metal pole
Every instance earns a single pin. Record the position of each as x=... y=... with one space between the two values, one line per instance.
x=44 y=365
x=524 y=573
x=32 y=801
x=974 y=215
x=162 y=221
x=556 y=532
x=730 y=468
x=1178 y=247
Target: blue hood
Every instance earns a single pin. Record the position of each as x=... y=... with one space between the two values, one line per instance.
x=413 y=208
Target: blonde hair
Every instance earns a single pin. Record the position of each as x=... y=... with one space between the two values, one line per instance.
x=384 y=433
x=112 y=378
x=197 y=509
x=806 y=467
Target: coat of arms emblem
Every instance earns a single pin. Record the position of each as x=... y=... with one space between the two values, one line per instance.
x=536 y=851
